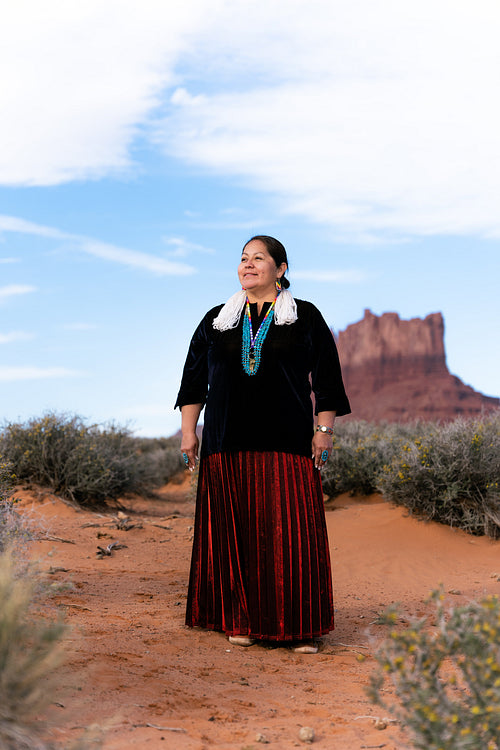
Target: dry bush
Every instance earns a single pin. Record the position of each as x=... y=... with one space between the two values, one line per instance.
x=30 y=647
x=160 y=459
x=450 y=473
x=90 y=465
x=359 y=453
x=446 y=678
x=447 y=472
x=14 y=530
x=30 y=651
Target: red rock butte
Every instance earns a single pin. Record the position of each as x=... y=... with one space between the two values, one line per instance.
x=396 y=370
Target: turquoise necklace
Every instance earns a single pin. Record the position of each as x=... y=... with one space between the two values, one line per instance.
x=252 y=345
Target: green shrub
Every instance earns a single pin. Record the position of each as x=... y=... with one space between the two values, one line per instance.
x=449 y=473
x=446 y=678
x=29 y=653
x=89 y=465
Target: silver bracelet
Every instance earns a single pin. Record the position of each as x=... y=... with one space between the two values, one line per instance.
x=324 y=428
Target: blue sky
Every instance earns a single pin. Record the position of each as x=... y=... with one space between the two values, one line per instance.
x=141 y=144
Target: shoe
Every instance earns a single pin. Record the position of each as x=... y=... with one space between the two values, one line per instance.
x=307 y=647
x=241 y=640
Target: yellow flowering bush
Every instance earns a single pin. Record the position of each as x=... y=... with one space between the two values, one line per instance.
x=447 y=472
x=450 y=473
x=359 y=452
x=445 y=677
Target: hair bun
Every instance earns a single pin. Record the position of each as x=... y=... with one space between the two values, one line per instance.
x=284 y=282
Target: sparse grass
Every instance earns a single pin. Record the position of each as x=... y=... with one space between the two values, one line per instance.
x=30 y=647
x=446 y=678
x=30 y=651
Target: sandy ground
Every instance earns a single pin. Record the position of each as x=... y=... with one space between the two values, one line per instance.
x=134 y=669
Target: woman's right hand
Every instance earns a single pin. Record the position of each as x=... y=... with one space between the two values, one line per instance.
x=189 y=447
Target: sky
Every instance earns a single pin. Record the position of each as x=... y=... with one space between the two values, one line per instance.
x=143 y=143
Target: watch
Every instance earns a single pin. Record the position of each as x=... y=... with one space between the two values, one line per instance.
x=324 y=428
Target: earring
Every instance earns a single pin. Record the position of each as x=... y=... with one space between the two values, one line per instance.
x=278 y=285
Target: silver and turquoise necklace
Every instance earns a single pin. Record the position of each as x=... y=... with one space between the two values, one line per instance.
x=252 y=345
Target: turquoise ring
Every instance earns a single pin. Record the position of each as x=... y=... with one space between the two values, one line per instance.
x=324 y=455
x=186 y=458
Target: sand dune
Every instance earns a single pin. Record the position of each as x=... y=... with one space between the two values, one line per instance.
x=135 y=669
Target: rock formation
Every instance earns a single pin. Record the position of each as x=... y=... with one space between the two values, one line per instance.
x=396 y=370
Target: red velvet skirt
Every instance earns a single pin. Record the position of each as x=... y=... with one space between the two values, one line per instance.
x=260 y=563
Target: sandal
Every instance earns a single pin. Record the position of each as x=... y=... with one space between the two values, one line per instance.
x=241 y=640
x=307 y=647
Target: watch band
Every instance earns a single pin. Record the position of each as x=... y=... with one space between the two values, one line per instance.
x=324 y=428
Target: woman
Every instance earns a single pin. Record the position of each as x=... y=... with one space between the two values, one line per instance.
x=260 y=567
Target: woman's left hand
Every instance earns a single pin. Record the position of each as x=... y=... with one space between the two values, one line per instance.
x=321 y=448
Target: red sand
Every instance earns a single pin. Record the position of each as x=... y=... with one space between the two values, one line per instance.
x=134 y=668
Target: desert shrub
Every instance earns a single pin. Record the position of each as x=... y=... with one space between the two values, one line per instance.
x=7 y=478
x=160 y=459
x=446 y=679
x=450 y=473
x=29 y=653
x=13 y=527
x=360 y=451
x=89 y=465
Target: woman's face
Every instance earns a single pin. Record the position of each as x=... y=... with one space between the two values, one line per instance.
x=257 y=270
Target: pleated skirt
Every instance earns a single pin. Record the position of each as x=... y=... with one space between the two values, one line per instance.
x=260 y=563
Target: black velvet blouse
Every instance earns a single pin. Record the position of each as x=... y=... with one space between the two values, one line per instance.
x=271 y=410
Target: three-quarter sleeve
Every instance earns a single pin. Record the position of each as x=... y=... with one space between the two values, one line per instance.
x=194 y=383
x=326 y=374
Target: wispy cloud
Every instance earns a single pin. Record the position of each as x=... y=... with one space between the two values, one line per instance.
x=182 y=247
x=134 y=258
x=14 y=374
x=13 y=290
x=340 y=277
x=10 y=260
x=12 y=336
x=373 y=118
x=385 y=126
x=22 y=226
x=88 y=109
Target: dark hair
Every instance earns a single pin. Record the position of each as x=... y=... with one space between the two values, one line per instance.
x=276 y=250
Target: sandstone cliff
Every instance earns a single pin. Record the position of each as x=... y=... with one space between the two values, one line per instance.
x=396 y=370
